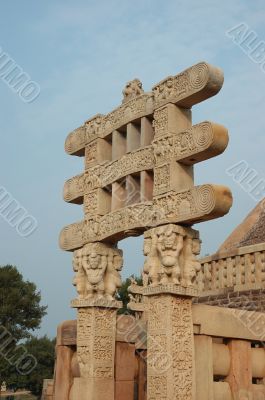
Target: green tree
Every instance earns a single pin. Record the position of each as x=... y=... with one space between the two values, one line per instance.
x=20 y=314
x=43 y=349
x=20 y=309
x=123 y=294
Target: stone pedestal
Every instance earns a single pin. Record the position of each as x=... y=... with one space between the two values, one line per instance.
x=96 y=332
x=170 y=359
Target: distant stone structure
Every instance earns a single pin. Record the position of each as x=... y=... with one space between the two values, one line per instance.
x=138 y=179
x=235 y=275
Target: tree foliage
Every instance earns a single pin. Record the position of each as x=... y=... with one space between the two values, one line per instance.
x=123 y=294
x=21 y=314
x=43 y=349
x=20 y=309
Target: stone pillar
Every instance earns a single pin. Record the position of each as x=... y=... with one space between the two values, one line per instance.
x=170 y=357
x=97 y=267
x=170 y=272
x=240 y=374
x=204 y=367
x=64 y=379
x=96 y=332
x=65 y=350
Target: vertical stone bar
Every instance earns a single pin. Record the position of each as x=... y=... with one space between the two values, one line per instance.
x=63 y=374
x=171 y=119
x=169 y=174
x=240 y=375
x=133 y=190
x=169 y=275
x=119 y=146
x=118 y=199
x=65 y=349
x=204 y=367
x=133 y=136
x=97 y=151
x=147 y=185
x=147 y=132
x=142 y=379
x=124 y=371
x=97 y=267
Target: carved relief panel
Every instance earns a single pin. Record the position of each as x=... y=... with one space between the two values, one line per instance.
x=171 y=256
x=97 y=269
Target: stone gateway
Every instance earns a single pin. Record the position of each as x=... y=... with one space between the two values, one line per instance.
x=138 y=179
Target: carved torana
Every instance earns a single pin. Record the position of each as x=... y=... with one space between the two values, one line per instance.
x=138 y=178
x=139 y=161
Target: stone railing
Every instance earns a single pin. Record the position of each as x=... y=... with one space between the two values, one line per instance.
x=240 y=269
x=229 y=356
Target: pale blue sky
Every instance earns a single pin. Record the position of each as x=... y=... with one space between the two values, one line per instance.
x=81 y=53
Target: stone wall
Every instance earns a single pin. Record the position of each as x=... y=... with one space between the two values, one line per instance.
x=251 y=300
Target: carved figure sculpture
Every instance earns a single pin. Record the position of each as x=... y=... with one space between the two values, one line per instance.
x=97 y=269
x=112 y=280
x=79 y=279
x=171 y=256
x=132 y=89
x=152 y=270
x=170 y=245
x=94 y=265
x=191 y=265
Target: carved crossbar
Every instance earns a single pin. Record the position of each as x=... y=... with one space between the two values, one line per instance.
x=139 y=162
